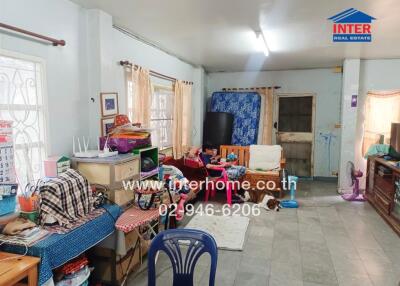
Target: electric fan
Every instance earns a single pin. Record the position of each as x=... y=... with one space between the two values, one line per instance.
x=352 y=176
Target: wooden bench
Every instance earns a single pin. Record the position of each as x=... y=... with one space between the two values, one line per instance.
x=254 y=176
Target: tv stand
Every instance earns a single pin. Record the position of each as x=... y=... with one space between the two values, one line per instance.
x=383 y=189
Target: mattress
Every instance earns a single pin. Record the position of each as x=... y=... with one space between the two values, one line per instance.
x=245 y=107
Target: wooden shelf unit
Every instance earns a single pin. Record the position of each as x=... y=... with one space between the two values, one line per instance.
x=383 y=190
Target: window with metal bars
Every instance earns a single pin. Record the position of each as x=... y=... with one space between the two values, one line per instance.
x=22 y=102
x=162 y=116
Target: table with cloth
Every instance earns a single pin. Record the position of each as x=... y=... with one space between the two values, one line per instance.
x=57 y=249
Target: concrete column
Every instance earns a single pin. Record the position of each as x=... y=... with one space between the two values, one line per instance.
x=101 y=67
x=198 y=106
x=350 y=88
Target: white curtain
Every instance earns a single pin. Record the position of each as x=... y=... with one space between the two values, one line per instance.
x=381 y=109
x=267 y=118
x=141 y=96
x=182 y=118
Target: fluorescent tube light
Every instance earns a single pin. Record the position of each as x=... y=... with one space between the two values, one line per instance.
x=262 y=44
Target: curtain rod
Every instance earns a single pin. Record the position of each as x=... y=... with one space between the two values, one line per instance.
x=252 y=88
x=54 y=42
x=153 y=73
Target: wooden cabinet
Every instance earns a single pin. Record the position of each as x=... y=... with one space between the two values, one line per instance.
x=126 y=171
x=383 y=190
x=111 y=172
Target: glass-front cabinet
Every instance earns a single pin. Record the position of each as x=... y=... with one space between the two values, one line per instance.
x=396 y=201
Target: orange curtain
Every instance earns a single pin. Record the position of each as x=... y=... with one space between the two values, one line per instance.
x=182 y=119
x=381 y=109
x=141 y=96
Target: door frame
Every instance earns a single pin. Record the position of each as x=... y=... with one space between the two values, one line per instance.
x=299 y=135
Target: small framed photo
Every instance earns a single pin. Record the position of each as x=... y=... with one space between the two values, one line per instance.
x=109 y=103
x=107 y=124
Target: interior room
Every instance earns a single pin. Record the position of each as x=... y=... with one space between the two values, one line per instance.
x=225 y=143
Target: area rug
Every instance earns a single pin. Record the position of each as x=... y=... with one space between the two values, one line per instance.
x=228 y=231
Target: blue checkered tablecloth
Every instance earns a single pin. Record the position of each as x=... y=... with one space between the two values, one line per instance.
x=58 y=249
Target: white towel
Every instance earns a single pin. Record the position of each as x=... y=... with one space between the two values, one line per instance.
x=265 y=157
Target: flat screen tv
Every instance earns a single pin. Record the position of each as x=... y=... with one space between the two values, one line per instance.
x=395 y=141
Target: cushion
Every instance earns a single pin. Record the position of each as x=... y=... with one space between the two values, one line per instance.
x=265 y=157
x=266 y=173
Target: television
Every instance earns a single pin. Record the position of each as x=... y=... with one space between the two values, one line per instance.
x=394 y=150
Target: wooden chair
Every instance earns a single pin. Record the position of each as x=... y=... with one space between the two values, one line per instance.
x=254 y=176
x=242 y=152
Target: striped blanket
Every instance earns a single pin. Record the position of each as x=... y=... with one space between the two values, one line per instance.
x=67 y=199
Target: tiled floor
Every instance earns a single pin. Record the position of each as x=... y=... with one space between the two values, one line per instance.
x=325 y=242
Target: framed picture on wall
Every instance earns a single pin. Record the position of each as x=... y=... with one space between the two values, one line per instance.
x=107 y=124
x=109 y=103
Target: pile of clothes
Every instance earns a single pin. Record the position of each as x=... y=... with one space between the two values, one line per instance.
x=22 y=231
x=177 y=182
x=125 y=136
x=75 y=272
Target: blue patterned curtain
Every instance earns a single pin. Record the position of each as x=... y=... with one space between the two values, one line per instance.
x=245 y=107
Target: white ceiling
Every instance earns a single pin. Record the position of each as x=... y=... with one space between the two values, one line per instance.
x=218 y=34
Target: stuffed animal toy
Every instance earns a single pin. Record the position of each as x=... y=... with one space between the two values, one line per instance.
x=193 y=152
x=231 y=157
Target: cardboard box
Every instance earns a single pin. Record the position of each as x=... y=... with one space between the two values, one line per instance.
x=110 y=268
x=121 y=197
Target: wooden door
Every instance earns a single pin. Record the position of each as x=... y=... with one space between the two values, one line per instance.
x=294 y=127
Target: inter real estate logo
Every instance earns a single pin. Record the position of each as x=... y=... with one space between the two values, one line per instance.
x=352 y=25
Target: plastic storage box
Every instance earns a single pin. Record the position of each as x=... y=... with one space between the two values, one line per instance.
x=7 y=204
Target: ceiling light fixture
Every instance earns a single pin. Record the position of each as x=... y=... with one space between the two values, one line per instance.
x=262 y=43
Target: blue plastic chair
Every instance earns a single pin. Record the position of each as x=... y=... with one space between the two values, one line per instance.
x=198 y=243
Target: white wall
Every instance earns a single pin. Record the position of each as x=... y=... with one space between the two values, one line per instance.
x=323 y=82
x=65 y=66
x=375 y=75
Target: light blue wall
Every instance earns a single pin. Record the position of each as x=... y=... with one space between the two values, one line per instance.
x=325 y=83
x=65 y=66
x=127 y=48
x=87 y=65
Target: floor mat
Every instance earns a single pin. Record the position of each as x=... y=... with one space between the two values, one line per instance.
x=228 y=231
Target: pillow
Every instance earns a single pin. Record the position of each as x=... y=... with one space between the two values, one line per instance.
x=265 y=157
